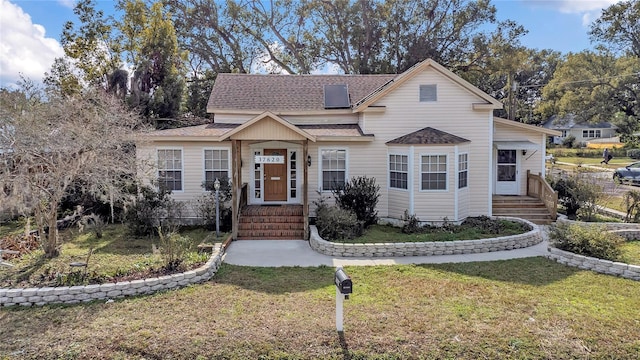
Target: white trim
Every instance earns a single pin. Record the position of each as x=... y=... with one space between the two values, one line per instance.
x=446 y=181
x=319 y=161
x=490 y=166
x=289 y=147
x=157 y=175
x=204 y=163
x=396 y=153
x=411 y=180
x=456 y=166
x=543 y=158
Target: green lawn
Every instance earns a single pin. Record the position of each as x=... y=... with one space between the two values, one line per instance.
x=631 y=252
x=517 y=309
x=392 y=234
x=116 y=256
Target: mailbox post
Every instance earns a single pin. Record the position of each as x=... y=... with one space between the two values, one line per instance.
x=344 y=287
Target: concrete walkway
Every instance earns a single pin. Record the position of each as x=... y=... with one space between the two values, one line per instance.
x=275 y=253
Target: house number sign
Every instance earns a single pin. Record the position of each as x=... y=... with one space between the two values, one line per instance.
x=269 y=159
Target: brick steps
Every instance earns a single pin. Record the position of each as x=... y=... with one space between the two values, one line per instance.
x=282 y=222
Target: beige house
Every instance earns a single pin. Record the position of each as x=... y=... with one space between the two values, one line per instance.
x=428 y=137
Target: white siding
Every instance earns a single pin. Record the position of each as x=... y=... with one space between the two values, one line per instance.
x=452 y=113
x=533 y=160
x=192 y=167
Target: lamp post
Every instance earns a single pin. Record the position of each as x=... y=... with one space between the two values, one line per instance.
x=216 y=186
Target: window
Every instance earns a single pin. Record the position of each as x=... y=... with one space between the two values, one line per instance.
x=293 y=174
x=334 y=168
x=434 y=172
x=463 y=170
x=170 y=169
x=591 y=133
x=428 y=93
x=398 y=170
x=216 y=166
x=564 y=133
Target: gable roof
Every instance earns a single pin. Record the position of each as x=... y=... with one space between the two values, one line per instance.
x=277 y=119
x=570 y=121
x=428 y=136
x=418 y=68
x=529 y=127
x=256 y=93
x=285 y=93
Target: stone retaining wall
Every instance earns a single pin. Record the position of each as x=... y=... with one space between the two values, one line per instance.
x=594 y=264
x=527 y=239
x=77 y=294
x=607 y=225
x=628 y=231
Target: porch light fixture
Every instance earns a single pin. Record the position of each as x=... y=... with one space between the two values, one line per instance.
x=524 y=152
x=308 y=160
x=216 y=187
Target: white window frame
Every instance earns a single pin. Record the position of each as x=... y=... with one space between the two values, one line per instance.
x=321 y=168
x=389 y=171
x=446 y=173
x=173 y=148
x=463 y=169
x=428 y=99
x=204 y=163
x=593 y=133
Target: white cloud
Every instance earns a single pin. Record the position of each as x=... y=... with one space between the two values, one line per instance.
x=24 y=47
x=589 y=10
x=68 y=3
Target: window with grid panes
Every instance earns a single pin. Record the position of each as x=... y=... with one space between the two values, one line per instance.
x=463 y=171
x=334 y=168
x=170 y=169
x=216 y=166
x=398 y=171
x=433 y=172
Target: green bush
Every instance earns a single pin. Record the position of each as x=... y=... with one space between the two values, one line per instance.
x=633 y=153
x=569 y=141
x=173 y=248
x=575 y=193
x=336 y=224
x=411 y=224
x=593 y=241
x=152 y=209
x=360 y=195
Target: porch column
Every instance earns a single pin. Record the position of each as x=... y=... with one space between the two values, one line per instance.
x=305 y=188
x=236 y=186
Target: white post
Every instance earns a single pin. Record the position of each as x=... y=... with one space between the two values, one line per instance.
x=339 y=310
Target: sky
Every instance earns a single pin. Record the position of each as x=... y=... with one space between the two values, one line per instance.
x=30 y=29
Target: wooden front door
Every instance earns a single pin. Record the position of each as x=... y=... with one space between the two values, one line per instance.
x=275 y=177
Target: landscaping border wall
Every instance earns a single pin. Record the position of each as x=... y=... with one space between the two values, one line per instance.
x=511 y=242
x=629 y=231
x=77 y=294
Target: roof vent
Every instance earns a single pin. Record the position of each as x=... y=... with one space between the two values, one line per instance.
x=336 y=97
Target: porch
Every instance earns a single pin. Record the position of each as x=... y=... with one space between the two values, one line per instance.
x=539 y=205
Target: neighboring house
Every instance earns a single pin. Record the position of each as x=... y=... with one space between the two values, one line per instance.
x=428 y=137
x=583 y=132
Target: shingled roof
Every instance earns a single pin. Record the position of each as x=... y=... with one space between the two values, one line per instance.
x=428 y=136
x=283 y=93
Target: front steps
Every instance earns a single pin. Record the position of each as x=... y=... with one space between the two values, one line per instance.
x=271 y=222
x=524 y=207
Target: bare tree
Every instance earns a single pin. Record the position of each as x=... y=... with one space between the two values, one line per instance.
x=47 y=146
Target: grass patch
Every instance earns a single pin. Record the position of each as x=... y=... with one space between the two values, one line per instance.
x=391 y=234
x=631 y=252
x=116 y=256
x=517 y=309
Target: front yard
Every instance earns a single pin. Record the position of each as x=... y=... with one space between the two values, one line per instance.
x=518 y=309
x=116 y=256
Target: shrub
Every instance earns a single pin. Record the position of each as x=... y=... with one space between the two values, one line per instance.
x=173 y=248
x=591 y=241
x=575 y=193
x=151 y=210
x=411 y=223
x=633 y=153
x=491 y=226
x=205 y=206
x=336 y=224
x=632 y=204
x=569 y=141
x=360 y=195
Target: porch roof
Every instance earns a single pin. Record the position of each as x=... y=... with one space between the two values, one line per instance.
x=516 y=145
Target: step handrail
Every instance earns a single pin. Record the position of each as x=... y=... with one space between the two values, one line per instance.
x=539 y=188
